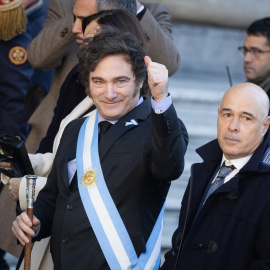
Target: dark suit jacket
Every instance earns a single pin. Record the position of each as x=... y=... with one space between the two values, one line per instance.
x=138 y=163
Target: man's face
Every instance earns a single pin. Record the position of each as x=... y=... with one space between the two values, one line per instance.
x=113 y=87
x=241 y=124
x=82 y=9
x=257 y=67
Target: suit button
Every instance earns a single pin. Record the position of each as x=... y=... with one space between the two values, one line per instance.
x=63 y=33
x=69 y=206
x=65 y=240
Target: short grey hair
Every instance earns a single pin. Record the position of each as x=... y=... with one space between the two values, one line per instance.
x=130 y=5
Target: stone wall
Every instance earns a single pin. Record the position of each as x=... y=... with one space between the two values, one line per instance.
x=226 y=13
x=206 y=50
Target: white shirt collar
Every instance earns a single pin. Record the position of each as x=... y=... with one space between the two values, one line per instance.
x=239 y=162
x=140 y=10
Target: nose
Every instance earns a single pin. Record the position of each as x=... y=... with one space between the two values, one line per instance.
x=248 y=57
x=234 y=125
x=77 y=26
x=110 y=92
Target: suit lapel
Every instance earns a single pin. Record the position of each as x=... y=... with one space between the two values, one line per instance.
x=70 y=154
x=201 y=175
x=139 y=113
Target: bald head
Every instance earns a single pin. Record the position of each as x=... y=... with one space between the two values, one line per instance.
x=242 y=120
x=254 y=95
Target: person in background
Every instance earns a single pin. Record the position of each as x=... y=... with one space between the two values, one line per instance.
x=225 y=213
x=55 y=47
x=256 y=52
x=20 y=22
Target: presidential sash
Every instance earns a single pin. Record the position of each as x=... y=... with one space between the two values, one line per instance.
x=102 y=213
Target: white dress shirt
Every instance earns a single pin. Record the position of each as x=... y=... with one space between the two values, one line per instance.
x=238 y=164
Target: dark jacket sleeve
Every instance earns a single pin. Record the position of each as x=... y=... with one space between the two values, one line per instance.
x=262 y=245
x=172 y=254
x=169 y=143
x=44 y=206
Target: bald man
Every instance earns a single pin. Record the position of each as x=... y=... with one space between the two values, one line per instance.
x=224 y=221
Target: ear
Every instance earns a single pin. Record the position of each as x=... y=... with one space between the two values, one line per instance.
x=266 y=123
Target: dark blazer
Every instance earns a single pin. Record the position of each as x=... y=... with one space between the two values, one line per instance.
x=232 y=230
x=138 y=163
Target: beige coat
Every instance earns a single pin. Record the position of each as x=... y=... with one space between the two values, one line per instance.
x=55 y=47
x=8 y=241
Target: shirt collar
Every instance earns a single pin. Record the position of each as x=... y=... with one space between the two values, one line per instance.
x=238 y=163
x=140 y=10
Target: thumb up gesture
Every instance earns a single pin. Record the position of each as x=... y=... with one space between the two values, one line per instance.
x=157 y=79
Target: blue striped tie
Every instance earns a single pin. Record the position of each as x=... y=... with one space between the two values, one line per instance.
x=219 y=181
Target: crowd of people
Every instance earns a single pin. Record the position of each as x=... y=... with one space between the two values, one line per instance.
x=90 y=97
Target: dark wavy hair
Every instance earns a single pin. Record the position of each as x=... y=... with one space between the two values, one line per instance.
x=119 y=19
x=260 y=28
x=110 y=41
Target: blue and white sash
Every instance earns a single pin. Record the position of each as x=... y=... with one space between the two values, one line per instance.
x=102 y=213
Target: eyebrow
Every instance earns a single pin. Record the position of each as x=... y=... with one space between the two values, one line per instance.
x=252 y=48
x=78 y=16
x=115 y=78
x=243 y=112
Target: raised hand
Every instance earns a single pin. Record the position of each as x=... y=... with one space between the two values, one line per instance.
x=157 y=79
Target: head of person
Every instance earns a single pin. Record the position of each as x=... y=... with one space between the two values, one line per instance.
x=256 y=51
x=85 y=8
x=242 y=120
x=112 y=68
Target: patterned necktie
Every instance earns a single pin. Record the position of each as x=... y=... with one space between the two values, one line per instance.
x=219 y=181
x=104 y=126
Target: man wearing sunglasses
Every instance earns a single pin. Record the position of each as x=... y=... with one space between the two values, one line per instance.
x=256 y=51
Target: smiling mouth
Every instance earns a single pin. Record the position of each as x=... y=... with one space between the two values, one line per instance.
x=110 y=103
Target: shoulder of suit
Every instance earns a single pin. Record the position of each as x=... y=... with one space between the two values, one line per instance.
x=157 y=7
x=75 y=124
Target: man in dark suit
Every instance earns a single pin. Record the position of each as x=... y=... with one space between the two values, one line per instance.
x=225 y=213
x=117 y=224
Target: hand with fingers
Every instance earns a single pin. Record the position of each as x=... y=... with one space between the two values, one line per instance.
x=22 y=225
x=157 y=79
